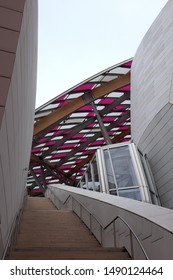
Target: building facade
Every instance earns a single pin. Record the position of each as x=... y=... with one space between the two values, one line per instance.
x=152 y=101
x=18 y=59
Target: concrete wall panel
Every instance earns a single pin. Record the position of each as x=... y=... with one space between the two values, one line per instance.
x=153 y=225
x=151 y=99
x=18 y=118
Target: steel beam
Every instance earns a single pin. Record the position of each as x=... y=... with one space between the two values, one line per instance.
x=59 y=176
x=80 y=165
x=51 y=166
x=36 y=179
x=81 y=126
x=74 y=131
x=101 y=124
x=90 y=140
x=43 y=177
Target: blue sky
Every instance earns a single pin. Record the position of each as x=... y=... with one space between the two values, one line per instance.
x=78 y=38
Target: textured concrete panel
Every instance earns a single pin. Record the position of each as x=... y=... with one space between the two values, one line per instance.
x=151 y=99
x=9 y=40
x=17 y=5
x=6 y=65
x=4 y=86
x=10 y=19
x=18 y=101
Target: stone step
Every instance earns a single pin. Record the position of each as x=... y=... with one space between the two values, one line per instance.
x=47 y=233
x=69 y=254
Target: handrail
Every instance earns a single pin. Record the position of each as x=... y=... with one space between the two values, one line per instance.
x=83 y=207
x=115 y=219
x=134 y=234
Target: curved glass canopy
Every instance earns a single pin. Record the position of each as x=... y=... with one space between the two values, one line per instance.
x=69 y=128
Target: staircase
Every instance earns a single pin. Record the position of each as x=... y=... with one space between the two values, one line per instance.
x=46 y=233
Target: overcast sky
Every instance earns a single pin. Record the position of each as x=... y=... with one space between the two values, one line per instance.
x=78 y=38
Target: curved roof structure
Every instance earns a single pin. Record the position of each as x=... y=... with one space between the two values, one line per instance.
x=69 y=128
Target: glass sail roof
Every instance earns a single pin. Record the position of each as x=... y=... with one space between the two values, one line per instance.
x=69 y=128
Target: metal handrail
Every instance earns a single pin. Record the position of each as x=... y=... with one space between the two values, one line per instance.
x=132 y=231
x=110 y=223
x=83 y=208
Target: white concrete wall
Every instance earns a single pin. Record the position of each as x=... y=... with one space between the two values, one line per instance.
x=152 y=101
x=152 y=224
x=17 y=122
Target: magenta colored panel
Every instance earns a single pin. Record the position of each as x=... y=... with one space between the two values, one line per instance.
x=108 y=119
x=58 y=156
x=78 y=136
x=122 y=128
x=98 y=143
x=105 y=101
x=36 y=171
x=38 y=150
x=120 y=108
x=66 y=167
x=62 y=104
x=60 y=99
x=86 y=109
x=111 y=133
x=56 y=133
x=124 y=113
x=128 y=64
x=90 y=115
x=88 y=153
x=83 y=140
x=70 y=146
x=84 y=87
x=90 y=125
x=42 y=140
x=49 y=144
x=55 y=128
x=126 y=88
x=66 y=132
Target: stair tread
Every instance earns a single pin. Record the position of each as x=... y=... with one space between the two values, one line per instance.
x=48 y=233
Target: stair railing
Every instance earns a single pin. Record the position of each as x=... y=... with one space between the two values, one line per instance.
x=113 y=222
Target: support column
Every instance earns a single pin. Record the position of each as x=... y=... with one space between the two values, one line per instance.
x=43 y=177
x=101 y=124
x=37 y=180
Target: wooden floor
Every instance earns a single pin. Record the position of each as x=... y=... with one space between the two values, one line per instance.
x=49 y=234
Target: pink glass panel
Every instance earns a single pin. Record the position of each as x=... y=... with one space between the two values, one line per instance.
x=108 y=119
x=128 y=64
x=49 y=144
x=90 y=115
x=36 y=150
x=84 y=87
x=105 y=101
x=126 y=88
x=78 y=136
x=58 y=156
x=85 y=109
x=70 y=146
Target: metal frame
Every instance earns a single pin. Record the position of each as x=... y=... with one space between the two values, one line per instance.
x=137 y=165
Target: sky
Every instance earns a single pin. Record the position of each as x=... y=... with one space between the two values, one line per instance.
x=79 y=38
